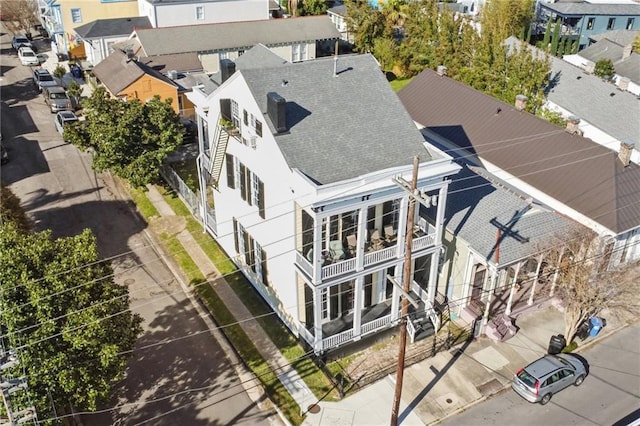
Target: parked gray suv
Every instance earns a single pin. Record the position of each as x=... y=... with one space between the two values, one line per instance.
x=57 y=99
x=538 y=381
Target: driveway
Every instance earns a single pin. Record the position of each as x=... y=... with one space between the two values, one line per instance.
x=182 y=371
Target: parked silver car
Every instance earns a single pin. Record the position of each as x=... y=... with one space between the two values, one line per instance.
x=57 y=99
x=538 y=381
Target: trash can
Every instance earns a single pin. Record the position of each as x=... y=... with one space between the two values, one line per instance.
x=556 y=344
x=583 y=330
x=596 y=325
x=76 y=71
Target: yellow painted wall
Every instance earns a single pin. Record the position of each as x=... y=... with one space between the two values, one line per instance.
x=93 y=9
x=146 y=87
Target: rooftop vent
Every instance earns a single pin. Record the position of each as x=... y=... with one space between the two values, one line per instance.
x=441 y=70
x=521 y=102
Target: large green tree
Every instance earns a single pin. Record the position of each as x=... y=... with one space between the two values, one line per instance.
x=129 y=138
x=68 y=321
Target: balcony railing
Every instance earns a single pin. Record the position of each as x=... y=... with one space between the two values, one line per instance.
x=365 y=329
x=374 y=257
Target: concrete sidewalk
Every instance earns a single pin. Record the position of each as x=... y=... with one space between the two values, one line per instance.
x=433 y=389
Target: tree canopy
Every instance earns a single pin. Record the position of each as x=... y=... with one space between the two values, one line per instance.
x=407 y=37
x=604 y=68
x=127 y=137
x=62 y=313
x=19 y=15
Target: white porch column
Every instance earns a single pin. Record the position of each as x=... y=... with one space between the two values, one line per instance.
x=361 y=238
x=513 y=288
x=402 y=226
x=535 y=281
x=357 y=307
x=203 y=192
x=442 y=204
x=433 y=276
x=492 y=287
x=316 y=259
x=317 y=319
x=395 y=297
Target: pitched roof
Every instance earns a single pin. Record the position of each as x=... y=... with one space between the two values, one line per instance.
x=212 y=37
x=117 y=72
x=184 y=62
x=112 y=27
x=581 y=174
x=259 y=56
x=339 y=126
x=598 y=102
x=604 y=49
x=584 y=8
x=622 y=37
x=476 y=207
x=630 y=67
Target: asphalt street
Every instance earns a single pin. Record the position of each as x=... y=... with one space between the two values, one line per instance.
x=181 y=372
x=610 y=392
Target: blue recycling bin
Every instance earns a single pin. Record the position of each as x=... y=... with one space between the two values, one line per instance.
x=595 y=326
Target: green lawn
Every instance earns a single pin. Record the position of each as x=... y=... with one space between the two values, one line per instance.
x=397 y=85
x=279 y=334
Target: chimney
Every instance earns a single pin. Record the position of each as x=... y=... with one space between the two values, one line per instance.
x=227 y=68
x=276 y=110
x=130 y=54
x=173 y=74
x=521 y=102
x=442 y=70
x=626 y=51
x=625 y=153
x=623 y=83
x=572 y=125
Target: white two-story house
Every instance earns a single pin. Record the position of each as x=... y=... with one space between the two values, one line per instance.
x=300 y=159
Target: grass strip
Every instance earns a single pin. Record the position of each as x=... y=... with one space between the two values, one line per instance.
x=397 y=85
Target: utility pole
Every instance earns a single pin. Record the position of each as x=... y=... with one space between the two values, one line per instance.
x=407 y=288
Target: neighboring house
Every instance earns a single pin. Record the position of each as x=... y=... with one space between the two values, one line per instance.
x=574 y=176
x=594 y=108
x=293 y=39
x=99 y=36
x=585 y=19
x=338 y=15
x=494 y=238
x=171 y=13
x=125 y=77
x=62 y=17
x=617 y=47
x=302 y=175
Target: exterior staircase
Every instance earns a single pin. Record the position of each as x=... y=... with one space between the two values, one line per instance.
x=221 y=139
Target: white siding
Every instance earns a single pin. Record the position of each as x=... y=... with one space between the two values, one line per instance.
x=169 y=15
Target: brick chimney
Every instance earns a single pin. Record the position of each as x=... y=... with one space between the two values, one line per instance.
x=521 y=102
x=572 y=125
x=626 y=51
x=589 y=67
x=441 y=70
x=625 y=153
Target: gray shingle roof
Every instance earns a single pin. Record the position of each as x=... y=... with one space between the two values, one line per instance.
x=259 y=56
x=573 y=170
x=475 y=206
x=583 y=8
x=185 y=62
x=112 y=27
x=117 y=73
x=598 y=102
x=604 y=49
x=340 y=127
x=234 y=35
x=621 y=37
x=630 y=67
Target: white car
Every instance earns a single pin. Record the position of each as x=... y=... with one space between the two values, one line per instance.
x=62 y=119
x=28 y=56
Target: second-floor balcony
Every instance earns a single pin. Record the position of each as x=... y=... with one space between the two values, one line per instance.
x=343 y=257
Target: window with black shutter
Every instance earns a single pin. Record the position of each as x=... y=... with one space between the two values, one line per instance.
x=225 y=108
x=243 y=182
x=235 y=235
x=245 y=117
x=263 y=266
x=231 y=181
x=248 y=247
x=259 y=128
x=261 y=208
